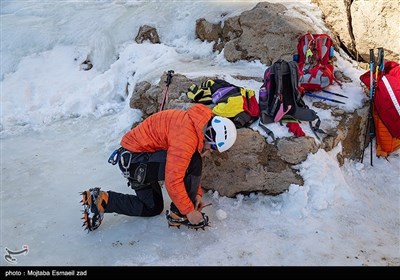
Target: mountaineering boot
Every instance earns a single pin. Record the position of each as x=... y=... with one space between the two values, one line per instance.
x=94 y=203
x=176 y=219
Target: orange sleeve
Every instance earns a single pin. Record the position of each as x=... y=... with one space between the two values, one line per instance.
x=182 y=146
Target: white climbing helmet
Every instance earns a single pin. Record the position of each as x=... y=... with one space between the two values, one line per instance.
x=224 y=134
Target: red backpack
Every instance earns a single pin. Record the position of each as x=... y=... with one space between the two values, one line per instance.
x=315 y=52
x=387 y=96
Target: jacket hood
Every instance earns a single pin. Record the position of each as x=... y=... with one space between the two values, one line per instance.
x=199 y=114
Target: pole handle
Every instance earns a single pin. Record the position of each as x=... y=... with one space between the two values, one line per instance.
x=380 y=61
x=371 y=57
x=169 y=77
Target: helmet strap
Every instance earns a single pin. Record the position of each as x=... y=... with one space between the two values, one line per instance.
x=209 y=135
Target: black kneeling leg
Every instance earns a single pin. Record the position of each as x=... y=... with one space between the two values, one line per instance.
x=147 y=202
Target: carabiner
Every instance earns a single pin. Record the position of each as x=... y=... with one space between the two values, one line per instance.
x=114 y=157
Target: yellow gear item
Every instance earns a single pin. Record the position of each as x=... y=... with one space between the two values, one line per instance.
x=202 y=95
x=234 y=104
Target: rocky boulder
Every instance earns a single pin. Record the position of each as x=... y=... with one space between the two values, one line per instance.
x=147 y=32
x=264 y=33
x=362 y=25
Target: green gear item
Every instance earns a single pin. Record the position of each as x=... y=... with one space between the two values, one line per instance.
x=197 y=95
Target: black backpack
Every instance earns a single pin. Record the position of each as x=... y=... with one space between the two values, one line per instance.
x=280 y=98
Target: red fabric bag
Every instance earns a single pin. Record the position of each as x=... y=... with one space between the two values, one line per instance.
x=386 y=98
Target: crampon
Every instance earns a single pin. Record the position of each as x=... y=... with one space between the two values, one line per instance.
x=94 y=202
x=175 y=220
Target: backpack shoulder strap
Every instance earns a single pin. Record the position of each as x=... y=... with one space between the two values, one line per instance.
x=294 y=77
x=268 y=131
x=276 y=71
x=278 y=76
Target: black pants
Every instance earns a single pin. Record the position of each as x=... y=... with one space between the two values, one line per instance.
x=148 y=200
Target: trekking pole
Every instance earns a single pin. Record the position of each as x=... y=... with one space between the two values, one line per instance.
x=334 y=93
x=323 y=97
x=168 y=82
x=370 y=122
x=379 y=67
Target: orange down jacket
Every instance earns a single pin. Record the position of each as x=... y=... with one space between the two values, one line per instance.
x=178 y=132
x=385 y=142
